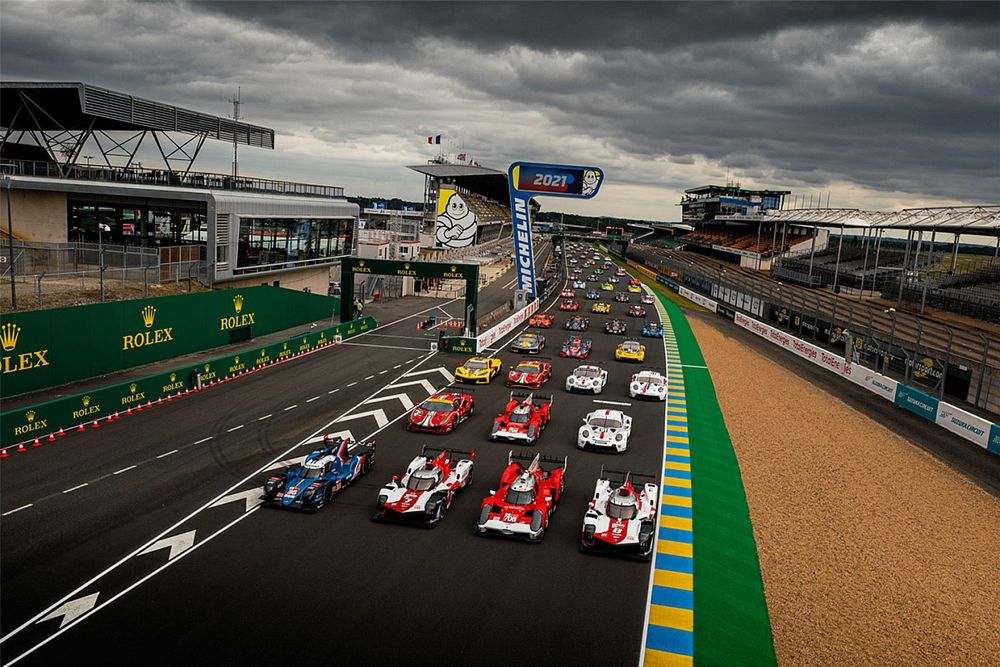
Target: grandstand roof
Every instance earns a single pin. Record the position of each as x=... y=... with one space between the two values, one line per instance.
x=982 y=220
x=74 y=106
x=706 y=189
x=490 y=183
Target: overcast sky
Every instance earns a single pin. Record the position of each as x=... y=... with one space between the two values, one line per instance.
x=883 y=106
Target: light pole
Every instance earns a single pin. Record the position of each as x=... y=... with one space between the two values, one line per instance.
x=7 y=179
x=101 y=227
x=892 y=339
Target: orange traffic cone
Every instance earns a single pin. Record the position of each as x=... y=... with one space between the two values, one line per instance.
x=52 y=437
x=80 y=427
x=96 y=424
x=20 y=447
x=3 y=454
x=61 y=432
x=36 y=443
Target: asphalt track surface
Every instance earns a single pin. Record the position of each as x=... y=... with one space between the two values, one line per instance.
x=149 y=531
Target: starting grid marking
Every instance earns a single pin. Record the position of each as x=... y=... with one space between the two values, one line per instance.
x=669 y=636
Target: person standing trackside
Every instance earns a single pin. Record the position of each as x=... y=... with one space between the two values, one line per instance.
x=359 y=307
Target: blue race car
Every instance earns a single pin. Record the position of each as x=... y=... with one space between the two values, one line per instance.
x=652 y=329
x=593 y=295
x=324 y=473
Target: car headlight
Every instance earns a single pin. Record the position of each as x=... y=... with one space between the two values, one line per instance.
x=588 y=532
x=382 y=499
x=571 y=380
x=635 y=386
x=308 y=493
x=585 y=433
x=618 y=438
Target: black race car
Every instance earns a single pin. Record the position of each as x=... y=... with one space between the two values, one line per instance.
x=615 y=326
x=578 y=323
x=621 y=297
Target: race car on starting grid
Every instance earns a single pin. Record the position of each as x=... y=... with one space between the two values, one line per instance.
x=426 y=490
x=480 y=370
x=621 y=297
x=648 y=384
x=600 y=307
x=630 y=350
x=529 y=343
x=615 y=326
x=576 y=347
x=647 y=299
x=525 y=499
x=531 y=373
x=577 y=323
x=607 y=287
x=570 y=305
x=323 y=474
x=606 y=430
x=635 y=289
x=634 y=282
x=621 y=519
x=587 y=378
x=442 y=411
x=579 y=284
x=567 y=294
x=541 y=320
x=636 y=311
x=613 y=279
x=593 y=295
x=652 y=329
x=523 y=418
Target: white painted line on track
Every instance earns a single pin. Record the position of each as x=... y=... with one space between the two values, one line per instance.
x=291 y=407
x=389 y=347
x=203 y=440
x=267 y=416
x=408 y=361
x=398 y=366
x=333 y=391
x=164 y=454
x=612 y=402
x=384 y=372
x=74 y=488
x=369 y=377
x=18 y=509
x=351 y=384
x=118 y=472
x=314 y=398
x=235 y=428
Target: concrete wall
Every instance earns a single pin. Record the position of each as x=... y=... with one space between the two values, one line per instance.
x=316 y=278
x=38 y=216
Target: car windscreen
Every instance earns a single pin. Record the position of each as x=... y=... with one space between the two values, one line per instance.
x=436 y=406
x=590 y=372
x=476 y=364
x=605 y=422
x=526 y=368
x=310 y=473
x=414 y=483
x=519 y=417
x=651 y=379
x=519 y=497
x=621 y=512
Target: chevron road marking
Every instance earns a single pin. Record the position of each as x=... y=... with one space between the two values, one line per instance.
x=177 y=544
x=440 y=369
x=379 y=416
x=72 y=609
x=403 y=398
x=251 y=497
x=424 y=383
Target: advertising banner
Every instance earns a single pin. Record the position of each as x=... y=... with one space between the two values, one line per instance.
x=503 y=328
x=697 y=298
x=917 y=402
x=994 y=444
x=456 y=223
x=965 y=424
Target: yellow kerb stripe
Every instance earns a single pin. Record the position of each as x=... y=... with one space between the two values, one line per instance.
x=671 y=617
x=678 y=466
x=676 y=501
x=675 y=522
x=679 y=580
x=656 y=658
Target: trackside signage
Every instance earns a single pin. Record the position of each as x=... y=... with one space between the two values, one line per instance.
x=503 y=328
x=136 y=395
x=965 y=424
x=917 y=402
x=697 y=298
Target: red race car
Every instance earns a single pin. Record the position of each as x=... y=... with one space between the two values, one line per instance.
x=569 y=304
x=442 y=412
x=636 y=311
x=525 y=500
x=567 y=294
x=425 y=491
x=523 y=418
x=532 y=374
x=634 y=281
x=541 y=320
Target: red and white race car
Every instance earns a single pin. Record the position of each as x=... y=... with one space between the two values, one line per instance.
x=636 y=311
x=523 y=418
x=541 y=321
x=529 y=373
x=426 y=490
x=567 y=294
x=442 y=412
x=525 y=500
x=634 y=281
x=621 y=518
x=571 y=305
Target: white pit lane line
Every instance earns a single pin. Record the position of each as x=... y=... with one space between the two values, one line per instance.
x=118 y=472
x=74 y=488
x=17 y=509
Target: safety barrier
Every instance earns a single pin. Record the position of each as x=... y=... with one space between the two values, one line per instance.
x=483 y=341
x=47 y=421
x=967 y=425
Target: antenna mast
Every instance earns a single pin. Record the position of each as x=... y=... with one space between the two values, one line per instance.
x=236 y=117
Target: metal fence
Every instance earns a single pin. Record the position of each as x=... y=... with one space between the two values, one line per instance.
x=958 y=362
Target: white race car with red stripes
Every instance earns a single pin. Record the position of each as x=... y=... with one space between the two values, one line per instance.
x=606 y=430
x=587 y=378
x=621 y=517
x=426 y=490
x=648 y=384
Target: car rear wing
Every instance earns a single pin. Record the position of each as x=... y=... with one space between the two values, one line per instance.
x=622 y=476
x=431 y=452
x=527 y=395
x=541 y=458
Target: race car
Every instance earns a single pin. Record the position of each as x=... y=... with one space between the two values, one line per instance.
x=648 y=384
x=567 y=294
x=630 y=350
x=592 y=278
x=621 y=297
x=579 y=284
x=613 y=280
x=636 y=311
x=523 y=418
x=480 y=370
x=529 y=373
x=621 y=519
x=442 y=412
x=541 y=320
x=587 y=378
x=578 y=323
x=652 y=329
x=426 y=490
x=576 y=347
x=634 y=281
x=615 y=326
x=593 y=295
x=529 y=343
x=635 y=289
x=323 y=474
x=599 y=272
x=525 y=499
x=600 y=307
x=607 y=287
x=620 y=272
x=606 y=430
x=647 y=299
x=570 y=305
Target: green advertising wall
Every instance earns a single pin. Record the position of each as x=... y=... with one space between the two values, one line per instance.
x=25 y=424
x=46 y=348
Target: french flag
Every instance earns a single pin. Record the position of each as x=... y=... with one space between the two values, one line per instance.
x=435 y=139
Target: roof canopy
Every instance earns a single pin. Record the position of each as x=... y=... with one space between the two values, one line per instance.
x=982 y=220
x=490 y=183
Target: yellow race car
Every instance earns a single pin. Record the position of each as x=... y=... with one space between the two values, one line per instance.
x=630 y=350
x=600 y=307
x=634 y=288
x=478 y=370
x=607 y=287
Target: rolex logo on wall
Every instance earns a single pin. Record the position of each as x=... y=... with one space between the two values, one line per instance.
x=8 y=336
